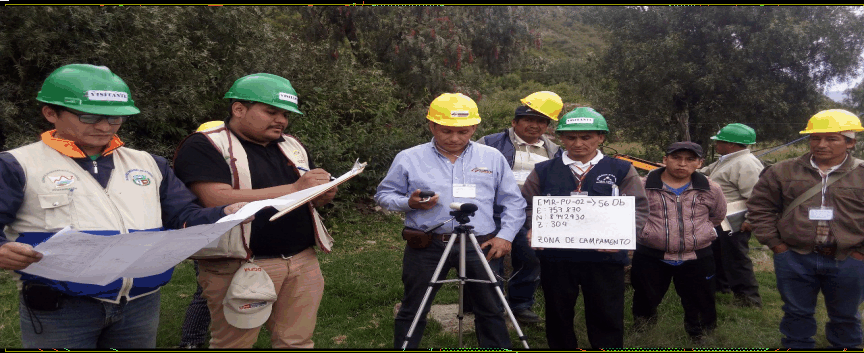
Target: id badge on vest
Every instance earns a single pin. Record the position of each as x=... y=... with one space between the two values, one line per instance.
x=824 y=213
x=578 y=193
x=465 y=190
x=521 y=176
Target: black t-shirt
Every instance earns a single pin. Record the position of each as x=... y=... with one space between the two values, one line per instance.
x=198 y=160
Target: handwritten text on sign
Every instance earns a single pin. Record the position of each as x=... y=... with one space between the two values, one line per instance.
x=584 y=222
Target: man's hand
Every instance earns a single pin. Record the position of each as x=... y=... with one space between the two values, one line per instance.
x=325 y=198
x=17 y=256
x=746 y=227
x=529 y=240
x=312 y=178
x=780 y=249
x=234 y=207
x=497 y=247
x=414 y=201
x=608 y=250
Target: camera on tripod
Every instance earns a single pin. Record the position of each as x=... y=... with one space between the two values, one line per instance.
x=461 y=211
x=462 y=234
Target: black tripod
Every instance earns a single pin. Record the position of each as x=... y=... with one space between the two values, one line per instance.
x=461 y=213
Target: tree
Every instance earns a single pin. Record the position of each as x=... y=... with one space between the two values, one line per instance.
x=179 y=61
x=423 y=48
x=681 y=73
x=855 y=99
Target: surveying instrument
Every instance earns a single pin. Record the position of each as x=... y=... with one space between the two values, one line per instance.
x=461 y=212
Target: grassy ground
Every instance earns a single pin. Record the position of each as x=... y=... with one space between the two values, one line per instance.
x=363 y=284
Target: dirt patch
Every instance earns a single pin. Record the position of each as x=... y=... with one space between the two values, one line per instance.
x=445 y=314
x=763 y=261
x=339 y=339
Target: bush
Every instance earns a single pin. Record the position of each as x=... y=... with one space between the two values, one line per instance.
x=179 y=61
x=499 y=105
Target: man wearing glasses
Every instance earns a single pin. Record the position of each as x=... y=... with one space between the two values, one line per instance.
x=80 y=175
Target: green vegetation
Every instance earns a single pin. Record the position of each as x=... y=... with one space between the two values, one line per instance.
x=365 y=77
x=688 y=71
x=363 y=285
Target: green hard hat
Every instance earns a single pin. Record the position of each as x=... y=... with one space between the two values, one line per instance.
x=89 y=89
x=736 y=133
x=265 y=88
x=582 y=119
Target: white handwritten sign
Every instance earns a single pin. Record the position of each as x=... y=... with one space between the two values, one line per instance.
x=584 y=222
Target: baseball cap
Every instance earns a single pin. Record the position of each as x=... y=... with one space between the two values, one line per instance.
x=250 y=297
x=526 y=111
x=684 y=145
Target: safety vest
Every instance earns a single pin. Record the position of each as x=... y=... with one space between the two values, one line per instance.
x=59 y=193
x=235 y=243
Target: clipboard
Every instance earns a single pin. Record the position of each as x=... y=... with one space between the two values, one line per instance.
x=316 y=191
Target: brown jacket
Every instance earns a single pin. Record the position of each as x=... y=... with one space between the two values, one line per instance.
x=681 y=227
x=780 y=184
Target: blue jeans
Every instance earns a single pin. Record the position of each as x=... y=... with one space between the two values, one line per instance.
x=799 y=280
x=83 y=322
x=526 y=277
x=418 y=265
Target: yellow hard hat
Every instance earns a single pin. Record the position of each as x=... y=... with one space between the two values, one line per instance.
x=545 y=102
x=209 y=125
x=453 y=109
x=834 y=120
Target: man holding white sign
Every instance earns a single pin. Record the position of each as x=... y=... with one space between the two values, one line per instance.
x=676 y=241
x=584 y=171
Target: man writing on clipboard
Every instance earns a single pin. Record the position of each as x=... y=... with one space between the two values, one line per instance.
x=250 y=158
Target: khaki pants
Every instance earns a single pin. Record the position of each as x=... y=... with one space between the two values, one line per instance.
x=299 y=288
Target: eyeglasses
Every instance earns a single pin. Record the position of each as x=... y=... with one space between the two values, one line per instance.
x=94 y=119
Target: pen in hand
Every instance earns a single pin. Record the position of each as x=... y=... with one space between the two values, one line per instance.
x=306 y=170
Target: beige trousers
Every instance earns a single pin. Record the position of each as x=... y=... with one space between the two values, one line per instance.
x=299 y=288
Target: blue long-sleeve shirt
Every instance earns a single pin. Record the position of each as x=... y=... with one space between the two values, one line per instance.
x=423 y=167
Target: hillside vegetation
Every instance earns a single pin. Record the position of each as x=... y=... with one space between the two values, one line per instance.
x=365 y=75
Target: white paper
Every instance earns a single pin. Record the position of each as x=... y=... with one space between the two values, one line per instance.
x=71 y=255
x=734 y=211
x=292 y=201
x=80 y=257
x=821 y=214
x=521 y=176
x=584 y=222
x=468 y=191
x=169 y=251
x=252 y=208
